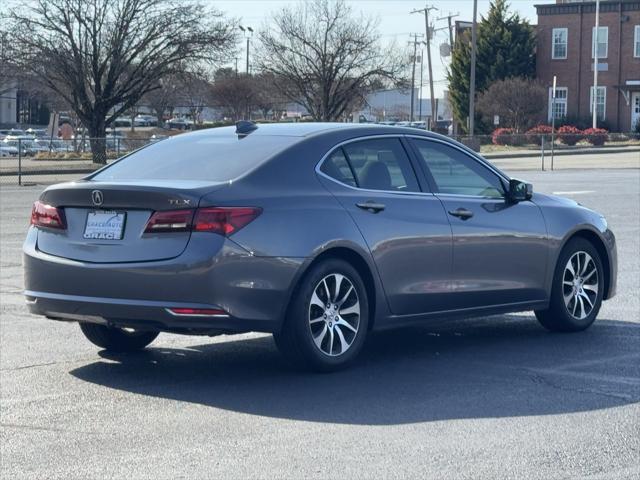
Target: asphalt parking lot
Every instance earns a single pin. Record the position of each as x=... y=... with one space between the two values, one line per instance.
x=494 y=397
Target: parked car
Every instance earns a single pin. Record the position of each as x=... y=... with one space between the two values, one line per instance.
x=122 y=122
x=443 y=127
x=8 y=150
x=317 y=233
x=145 y=121
x=36 y=132
x=16 y=145
x=54 y=145
x=179 y=123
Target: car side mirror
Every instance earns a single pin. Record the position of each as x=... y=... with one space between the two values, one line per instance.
x=520 y=191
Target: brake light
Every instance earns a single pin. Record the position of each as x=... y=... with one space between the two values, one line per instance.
x=43 y=215
x=221 y=220
x=170 y=221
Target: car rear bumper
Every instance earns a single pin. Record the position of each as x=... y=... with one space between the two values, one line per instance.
x=142 y=314
x=252 y=291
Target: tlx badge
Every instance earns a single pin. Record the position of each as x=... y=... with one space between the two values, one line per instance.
x=179 y=201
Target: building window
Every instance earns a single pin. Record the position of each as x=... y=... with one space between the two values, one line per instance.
x=558 y=109
x=601 y=42
x=601 y=101
x=559 y=49
x=636 y=43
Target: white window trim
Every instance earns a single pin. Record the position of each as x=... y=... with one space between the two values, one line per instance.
x=604 y=106
x=553 y=44
x=594 y=43
x=565 y=100
x=636 y=42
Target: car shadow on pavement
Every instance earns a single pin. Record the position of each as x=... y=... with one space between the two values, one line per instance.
x=484 y=368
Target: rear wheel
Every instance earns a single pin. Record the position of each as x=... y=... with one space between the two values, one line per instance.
x=577 y=291
x=117 y=339
x=328 y=318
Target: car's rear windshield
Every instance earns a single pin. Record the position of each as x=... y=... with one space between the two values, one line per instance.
x=214 y=157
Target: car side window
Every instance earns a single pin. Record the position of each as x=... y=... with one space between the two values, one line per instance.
x=381 y=164
x=336 y=167
x=456 y=173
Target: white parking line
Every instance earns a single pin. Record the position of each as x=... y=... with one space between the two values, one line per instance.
x=575 y=192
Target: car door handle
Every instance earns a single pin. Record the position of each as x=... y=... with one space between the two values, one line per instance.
x=461 y=213
x=371 y=206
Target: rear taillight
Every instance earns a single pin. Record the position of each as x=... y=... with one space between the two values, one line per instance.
x=43 y=215
x=170 y=221
x=222 y=220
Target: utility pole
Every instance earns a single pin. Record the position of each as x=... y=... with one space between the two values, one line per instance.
x=472 y=86
x=594 y=46
x=236 y=59
x=449 y=17
x=415 y=42
x=420 y=90
x=427 y=29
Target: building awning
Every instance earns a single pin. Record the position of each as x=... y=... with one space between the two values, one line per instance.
x=628 y=87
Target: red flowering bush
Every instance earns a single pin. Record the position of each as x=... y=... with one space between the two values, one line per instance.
x=569 y=135
x=535 y=134
x=503 y=136
x=596 y=136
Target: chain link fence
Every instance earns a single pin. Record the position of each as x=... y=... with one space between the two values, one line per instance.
x=25 y=160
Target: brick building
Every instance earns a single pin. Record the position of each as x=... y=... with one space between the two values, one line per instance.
x=565 y=33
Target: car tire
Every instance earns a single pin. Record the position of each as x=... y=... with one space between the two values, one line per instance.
x=577 y=289
x=321 y=332
x=116 y=339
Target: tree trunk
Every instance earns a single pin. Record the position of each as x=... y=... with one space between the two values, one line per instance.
x=97 y=139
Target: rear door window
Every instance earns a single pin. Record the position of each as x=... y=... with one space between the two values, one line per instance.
x=337 y=167
x=381 y=164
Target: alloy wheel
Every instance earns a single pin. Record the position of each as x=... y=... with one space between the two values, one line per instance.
x=580 y=285
x=334 y=314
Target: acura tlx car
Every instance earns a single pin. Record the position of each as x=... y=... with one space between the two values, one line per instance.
x=317 y=233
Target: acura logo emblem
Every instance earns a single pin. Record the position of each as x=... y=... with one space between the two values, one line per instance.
x=97 y=197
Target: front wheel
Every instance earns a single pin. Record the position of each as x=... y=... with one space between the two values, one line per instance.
x=328 y=318
x=116 y=339
x=577 y=290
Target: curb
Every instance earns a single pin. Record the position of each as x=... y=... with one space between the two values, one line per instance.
x=547 y=153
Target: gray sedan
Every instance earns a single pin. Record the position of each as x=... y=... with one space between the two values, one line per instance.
x=317 y=233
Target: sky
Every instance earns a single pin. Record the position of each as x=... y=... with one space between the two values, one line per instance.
x=396 y=23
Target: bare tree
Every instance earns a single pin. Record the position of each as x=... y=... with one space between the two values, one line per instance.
x=324 y=58
x=234 y=94
x=164 y=99
x=103 y=56
x=267 y=98
x=520 y=103
x=196 y=93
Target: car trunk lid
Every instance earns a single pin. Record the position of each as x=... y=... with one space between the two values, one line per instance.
x=106 y=220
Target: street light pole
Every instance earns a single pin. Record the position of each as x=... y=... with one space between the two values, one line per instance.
x=472 y=83
x=594 y=46
x=248 y=33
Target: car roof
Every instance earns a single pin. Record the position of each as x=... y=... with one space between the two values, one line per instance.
x=307 y=129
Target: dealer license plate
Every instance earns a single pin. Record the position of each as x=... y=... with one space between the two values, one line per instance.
x=104 y=225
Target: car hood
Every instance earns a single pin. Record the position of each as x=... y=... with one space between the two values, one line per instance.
x=546 y=198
